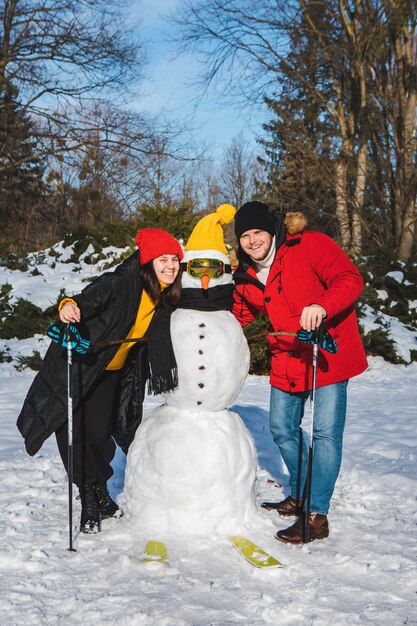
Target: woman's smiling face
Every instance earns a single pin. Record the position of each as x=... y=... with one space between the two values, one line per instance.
x=166 y=268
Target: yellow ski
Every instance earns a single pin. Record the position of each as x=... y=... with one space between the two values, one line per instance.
x=252 y=553
x=155 y=552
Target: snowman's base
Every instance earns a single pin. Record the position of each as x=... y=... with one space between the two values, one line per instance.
x=191 y=473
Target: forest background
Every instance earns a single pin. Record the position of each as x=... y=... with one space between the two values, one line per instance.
x=336 y=81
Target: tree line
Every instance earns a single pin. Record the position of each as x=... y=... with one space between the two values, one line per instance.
x=73 y=148
x=338 y=79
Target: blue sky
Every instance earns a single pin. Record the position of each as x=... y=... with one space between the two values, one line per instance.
x=169 y=88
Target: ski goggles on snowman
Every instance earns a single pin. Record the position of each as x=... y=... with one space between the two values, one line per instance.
x=214 y=268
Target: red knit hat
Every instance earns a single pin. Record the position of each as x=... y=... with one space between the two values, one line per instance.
x=154 y=242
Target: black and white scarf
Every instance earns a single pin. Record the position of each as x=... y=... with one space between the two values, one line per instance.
x=162 y=363
x=218 y=298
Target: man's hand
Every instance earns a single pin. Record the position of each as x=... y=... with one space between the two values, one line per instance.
x=312 y=316
x=70 y=313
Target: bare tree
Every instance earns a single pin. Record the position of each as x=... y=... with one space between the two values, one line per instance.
x=63 y=55
x=238 y=172
x=398 y=91
x=65 y=50
x=250 y=46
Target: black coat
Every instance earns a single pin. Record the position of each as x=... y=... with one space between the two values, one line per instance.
x=108 y=307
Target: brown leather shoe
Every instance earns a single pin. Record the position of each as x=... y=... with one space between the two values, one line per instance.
x=289 y=506
x=318 y=527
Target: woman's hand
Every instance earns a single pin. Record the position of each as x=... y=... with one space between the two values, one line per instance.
x=70 y=313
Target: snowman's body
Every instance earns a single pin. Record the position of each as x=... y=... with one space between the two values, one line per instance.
x=212 y=357
x=192 y=465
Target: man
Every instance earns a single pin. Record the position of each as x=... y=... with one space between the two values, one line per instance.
x=298 y=278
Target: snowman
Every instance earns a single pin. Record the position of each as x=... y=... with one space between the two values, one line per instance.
x=191 y=468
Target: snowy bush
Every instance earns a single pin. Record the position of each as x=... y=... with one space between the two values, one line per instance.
x=31 y=287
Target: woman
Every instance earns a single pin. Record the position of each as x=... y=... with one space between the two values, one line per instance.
x=133 y=301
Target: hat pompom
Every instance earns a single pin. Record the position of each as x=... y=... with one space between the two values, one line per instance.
x=226 y=213
x=208 y=233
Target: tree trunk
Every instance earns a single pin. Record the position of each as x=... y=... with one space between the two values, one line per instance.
x=5 y=43
x=353 y=131
x=408 y=232
x=409 y=214
x=405 y=56
x=359 y=198
x=342 y=213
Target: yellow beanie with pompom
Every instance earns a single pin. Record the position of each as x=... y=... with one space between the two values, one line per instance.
x=208 y=232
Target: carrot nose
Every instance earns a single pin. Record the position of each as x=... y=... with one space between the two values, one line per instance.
x=205 y=281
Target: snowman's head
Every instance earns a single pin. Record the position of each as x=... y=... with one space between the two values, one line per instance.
x=205 y=269
x=205 y=262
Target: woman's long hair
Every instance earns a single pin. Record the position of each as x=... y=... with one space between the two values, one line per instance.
x=170 y=294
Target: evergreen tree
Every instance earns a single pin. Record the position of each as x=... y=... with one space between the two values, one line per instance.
x=299 y=138
x=177 y=218
x=21 y=170
x=168 y=197
x=297 y=162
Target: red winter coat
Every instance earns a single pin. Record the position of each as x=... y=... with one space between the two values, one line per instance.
x=309 y=268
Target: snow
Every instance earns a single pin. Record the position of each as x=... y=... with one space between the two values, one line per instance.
x=403 y=337
x=382 y=294
x=191 y=473
x=363 y=574
x=55 y=272
x=397 y=276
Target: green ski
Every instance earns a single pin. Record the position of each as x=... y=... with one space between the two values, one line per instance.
x=155 y=552
x=252 y=553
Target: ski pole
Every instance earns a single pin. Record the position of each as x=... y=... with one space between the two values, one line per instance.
x=310 y=447
x=70 y=450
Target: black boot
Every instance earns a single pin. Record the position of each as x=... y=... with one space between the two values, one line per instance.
x=90 y=514
x=107 y=506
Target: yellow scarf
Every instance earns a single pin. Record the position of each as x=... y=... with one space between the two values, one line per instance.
x=144 y=316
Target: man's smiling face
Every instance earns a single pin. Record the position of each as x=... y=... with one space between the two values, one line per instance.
x=256 y=243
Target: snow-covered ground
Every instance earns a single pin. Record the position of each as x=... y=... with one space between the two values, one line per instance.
x=363 y=574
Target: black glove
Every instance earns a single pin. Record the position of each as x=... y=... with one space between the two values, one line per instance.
x=320 y=336
x=61 y=334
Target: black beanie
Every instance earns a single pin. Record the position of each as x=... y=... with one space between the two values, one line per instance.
x=254 y=215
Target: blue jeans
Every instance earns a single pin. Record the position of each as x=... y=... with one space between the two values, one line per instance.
x=286 y=413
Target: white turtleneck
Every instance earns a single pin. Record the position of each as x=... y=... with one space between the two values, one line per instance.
x=262 y=267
